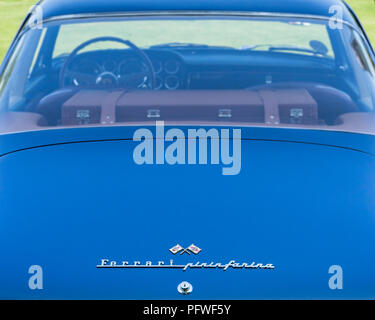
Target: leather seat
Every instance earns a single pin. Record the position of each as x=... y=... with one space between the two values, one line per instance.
x=50 y=106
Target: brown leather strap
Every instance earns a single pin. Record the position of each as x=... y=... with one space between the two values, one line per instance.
x=109 y=103
x=271 y=107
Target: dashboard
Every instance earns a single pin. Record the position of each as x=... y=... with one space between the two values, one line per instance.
x=194 y=69
x=170 y=71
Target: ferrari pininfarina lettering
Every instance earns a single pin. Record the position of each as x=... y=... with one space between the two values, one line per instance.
x=107 y=264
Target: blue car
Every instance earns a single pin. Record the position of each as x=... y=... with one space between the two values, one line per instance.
x=191 y=149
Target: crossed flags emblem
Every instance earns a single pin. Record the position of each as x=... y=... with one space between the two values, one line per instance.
x=178 y=249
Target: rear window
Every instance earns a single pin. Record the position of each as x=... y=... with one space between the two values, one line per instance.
x=265 y=71
x=238 y=34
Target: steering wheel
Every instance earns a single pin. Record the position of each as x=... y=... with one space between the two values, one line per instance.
x=148 y=74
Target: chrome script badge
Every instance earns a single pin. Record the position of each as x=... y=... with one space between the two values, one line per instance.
x=232 y=264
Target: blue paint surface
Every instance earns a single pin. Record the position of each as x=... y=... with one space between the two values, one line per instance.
x=300 y=206
x=53 y=8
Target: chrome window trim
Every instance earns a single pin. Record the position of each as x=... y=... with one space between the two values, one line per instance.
x=197 y=13
x=190 y=14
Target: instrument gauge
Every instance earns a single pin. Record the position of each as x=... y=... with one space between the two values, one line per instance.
x=172 y=66
x=158 y=66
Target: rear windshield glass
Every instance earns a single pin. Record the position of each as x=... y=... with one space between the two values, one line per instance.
x=269 y=71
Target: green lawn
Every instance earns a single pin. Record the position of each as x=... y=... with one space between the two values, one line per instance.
x=365 y=9
x=13 y=11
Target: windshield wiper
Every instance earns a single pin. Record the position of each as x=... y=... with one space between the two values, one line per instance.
x=179 y=44
x=285 y=48
x=185 y=45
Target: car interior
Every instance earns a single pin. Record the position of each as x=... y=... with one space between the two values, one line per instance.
x=177 y=82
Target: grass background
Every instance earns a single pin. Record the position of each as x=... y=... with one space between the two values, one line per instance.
x=12 y=13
